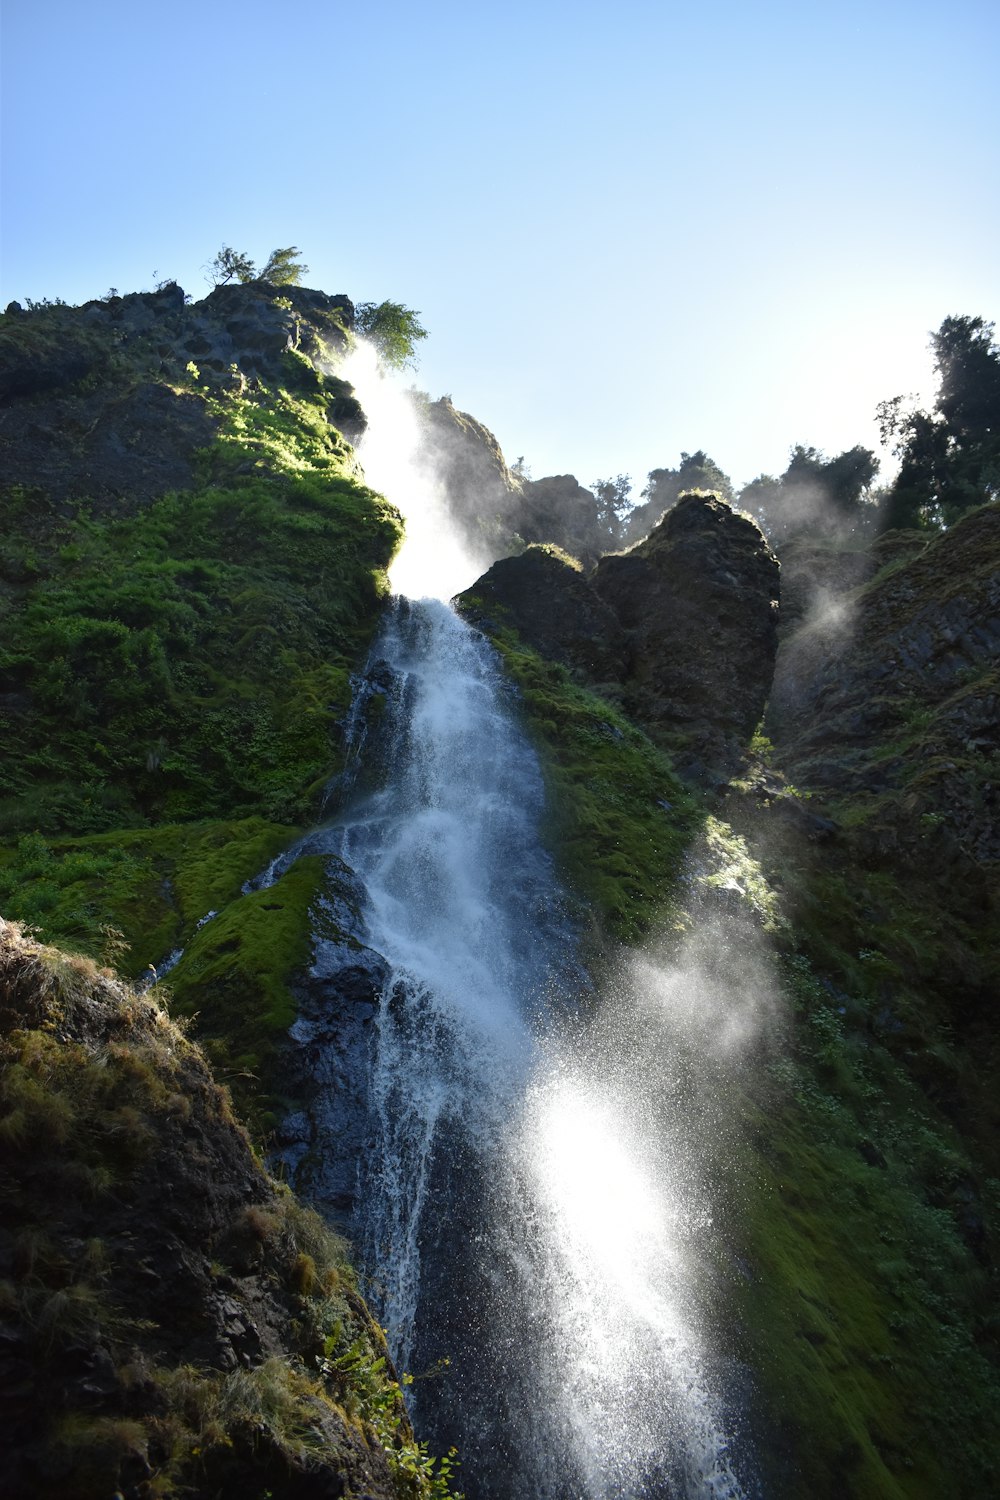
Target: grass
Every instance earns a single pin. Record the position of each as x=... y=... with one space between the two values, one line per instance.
x=619 y=821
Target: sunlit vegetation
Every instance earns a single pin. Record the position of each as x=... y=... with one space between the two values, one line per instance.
x=393 y=329
x=190 y=661
x=175 y=674
x=282 y=267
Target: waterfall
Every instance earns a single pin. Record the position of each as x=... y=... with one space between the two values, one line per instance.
x=527 y=1219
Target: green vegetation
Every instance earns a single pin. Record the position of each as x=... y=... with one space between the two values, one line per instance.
x=619 y=819
x=870 y=1309
x=184 y=662
x=174 y=674
x=151 y=885
x=949 y=457
x=235 y=976
x=120 y=1112
x=282 y=268
x=393 y=329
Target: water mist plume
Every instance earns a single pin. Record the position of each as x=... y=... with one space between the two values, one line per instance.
x=532 y=1213
x=433 y=562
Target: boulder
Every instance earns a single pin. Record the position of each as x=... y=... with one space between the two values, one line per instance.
x=545 y=596
x=699 y=602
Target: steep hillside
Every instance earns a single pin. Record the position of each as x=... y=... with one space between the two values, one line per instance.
x=191 y=569
x=858 y=1191
x=173 y=1321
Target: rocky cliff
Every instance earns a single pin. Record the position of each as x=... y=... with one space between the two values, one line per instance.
x=173 y=1321
x=192 y=569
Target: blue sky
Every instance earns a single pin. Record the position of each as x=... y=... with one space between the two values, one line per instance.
x=630 y=228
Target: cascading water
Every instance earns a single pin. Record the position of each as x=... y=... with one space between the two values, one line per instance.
x=523 y=1216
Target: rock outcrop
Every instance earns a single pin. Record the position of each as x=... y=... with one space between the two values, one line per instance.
x=558 y=509
x=546 y=598
x=699 y=600
x=172 y=1320
x=684 y=625
x=893 y=696
x=106 y=402
x=497 y=509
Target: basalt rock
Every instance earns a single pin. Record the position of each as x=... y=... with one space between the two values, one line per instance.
x=497 y=509
x=558 y=509
x=111 y=402
x=699 y=600
x=896 y=697
x=554 y=609
x=684 y=625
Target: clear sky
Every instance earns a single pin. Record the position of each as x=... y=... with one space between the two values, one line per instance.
x=630 y=228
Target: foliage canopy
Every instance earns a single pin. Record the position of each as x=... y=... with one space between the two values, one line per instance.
x=949 y=457
x=281 y=268
x=393 y=329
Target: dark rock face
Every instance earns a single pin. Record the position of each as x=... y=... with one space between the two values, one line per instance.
x=699 y=598
x=468 y=460
x=89 y=400
x=558 y=509
x=554 y=609
x=85 y=446
x=496 y=508
x=908 y=663
x=816 y=574
x=685 y=625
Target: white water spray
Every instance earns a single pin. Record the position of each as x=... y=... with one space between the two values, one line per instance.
x=432 y=562
x=530 y=1206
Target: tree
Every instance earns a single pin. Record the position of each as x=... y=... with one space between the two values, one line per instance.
x=815 y=493
x=230 y=265
x=968 y=363
x=696 y=471
x=949 y=457
x=843 y=480
x=393 y=329
x=613 y=503
x=282 y=268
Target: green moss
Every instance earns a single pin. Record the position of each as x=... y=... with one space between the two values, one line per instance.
x=862 y=1216
x=132 y=897
x=619 y=820
x=190 y=659
x=235 y=976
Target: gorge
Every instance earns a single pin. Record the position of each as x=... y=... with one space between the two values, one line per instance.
x=652 y=1089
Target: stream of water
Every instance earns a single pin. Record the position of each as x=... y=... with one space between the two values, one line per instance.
x=528 y=1217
